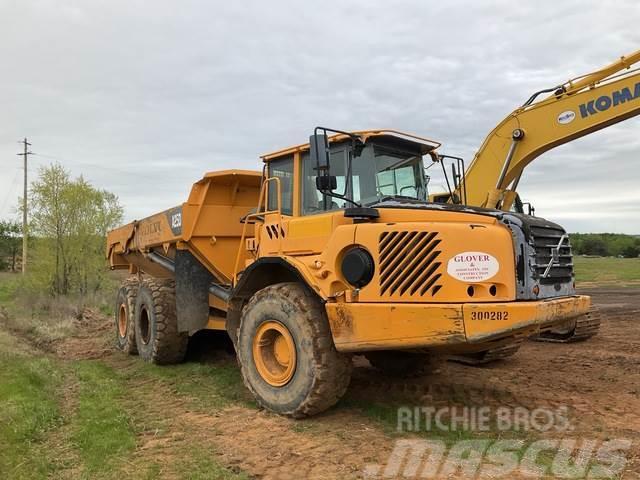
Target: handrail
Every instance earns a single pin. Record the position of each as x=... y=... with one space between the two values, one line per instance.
x=261 y=199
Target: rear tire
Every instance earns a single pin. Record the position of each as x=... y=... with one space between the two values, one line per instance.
x=286 y=352
x=157 y=336
x=124 y=316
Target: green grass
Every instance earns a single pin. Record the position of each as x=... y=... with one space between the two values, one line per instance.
x=607 y=269
x=30 y=409
x=207 y=385
x=82 y=418
x=8 y=346
x=8 y=283
x=102 y=430
x=198 y=464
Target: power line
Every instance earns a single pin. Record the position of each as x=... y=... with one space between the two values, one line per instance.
x=24 y=154
x=86 y=164
x=10 y=191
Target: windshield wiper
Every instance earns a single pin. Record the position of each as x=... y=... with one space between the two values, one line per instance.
x=400 y=198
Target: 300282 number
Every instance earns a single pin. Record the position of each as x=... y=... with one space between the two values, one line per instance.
x=493 y=315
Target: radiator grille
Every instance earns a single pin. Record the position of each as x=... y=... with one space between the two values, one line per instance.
x=552 y=245
x=408 y=263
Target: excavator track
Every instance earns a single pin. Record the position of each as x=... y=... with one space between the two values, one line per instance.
x=587 y=326
x=488 y=356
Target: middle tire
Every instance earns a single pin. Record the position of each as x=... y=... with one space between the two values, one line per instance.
x=286 y=352
x=157 y=336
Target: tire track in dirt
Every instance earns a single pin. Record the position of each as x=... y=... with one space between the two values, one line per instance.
x=337 y=444
x=58 y=442
x=265 y=445
x=599 y=380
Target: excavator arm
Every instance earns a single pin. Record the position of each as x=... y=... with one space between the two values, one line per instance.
x=580 y=106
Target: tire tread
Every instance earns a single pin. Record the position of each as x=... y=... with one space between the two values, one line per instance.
x=333 y=369
x=169 y=346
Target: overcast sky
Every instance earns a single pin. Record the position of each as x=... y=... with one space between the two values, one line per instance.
x=142 y=97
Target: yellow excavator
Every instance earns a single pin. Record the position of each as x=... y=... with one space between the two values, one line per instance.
x=574 y=109
x=569 y=111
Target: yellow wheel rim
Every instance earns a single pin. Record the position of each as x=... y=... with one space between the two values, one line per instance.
x=122 y=320
x=274 y=353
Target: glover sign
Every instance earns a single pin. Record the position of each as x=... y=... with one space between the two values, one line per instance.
x=473 y=266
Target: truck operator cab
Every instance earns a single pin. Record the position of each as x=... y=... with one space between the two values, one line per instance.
x=365 y=167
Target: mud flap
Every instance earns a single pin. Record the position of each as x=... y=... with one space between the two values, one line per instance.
x=192 y=292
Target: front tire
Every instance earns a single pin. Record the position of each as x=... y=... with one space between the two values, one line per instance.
x=157 y=336
x=286 y=352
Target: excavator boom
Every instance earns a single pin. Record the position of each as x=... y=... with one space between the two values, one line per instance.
x=580 y=106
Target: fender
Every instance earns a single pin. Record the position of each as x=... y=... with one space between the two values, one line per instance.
x=267 y=271
x=260 y=274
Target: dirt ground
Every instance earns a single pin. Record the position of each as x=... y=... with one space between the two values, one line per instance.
x=599 y=380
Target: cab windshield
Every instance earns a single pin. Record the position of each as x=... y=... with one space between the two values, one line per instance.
x=380 y=171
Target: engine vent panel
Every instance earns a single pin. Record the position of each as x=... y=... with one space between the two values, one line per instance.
x=408 y=264
x=552 y=255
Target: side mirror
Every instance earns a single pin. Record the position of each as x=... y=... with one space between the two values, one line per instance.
x=326 y=183
x=319 y=152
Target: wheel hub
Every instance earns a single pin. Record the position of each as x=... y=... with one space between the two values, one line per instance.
x=274 y=353
x=122 y=321
x=145 y=326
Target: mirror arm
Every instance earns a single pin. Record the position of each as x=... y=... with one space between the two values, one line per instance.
x=356 y=147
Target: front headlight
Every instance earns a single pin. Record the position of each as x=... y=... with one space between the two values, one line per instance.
x=357 y=267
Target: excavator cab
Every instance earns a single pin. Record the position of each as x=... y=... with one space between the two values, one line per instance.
x=525 y=208
x=456 y=191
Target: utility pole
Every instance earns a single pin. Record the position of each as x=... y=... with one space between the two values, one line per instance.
x=24 y=154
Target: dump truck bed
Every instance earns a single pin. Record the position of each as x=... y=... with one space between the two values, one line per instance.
x=208 y=224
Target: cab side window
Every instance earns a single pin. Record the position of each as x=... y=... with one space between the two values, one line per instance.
x=281 y=168
x=313 y=201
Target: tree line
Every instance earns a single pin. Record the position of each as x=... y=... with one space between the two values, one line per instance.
x=10 y=245
x=68 y=222
x=606 y=244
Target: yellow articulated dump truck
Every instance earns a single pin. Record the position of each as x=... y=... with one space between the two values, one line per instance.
x=334 y=250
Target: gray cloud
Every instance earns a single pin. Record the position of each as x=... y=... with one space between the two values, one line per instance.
x=142 y=98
